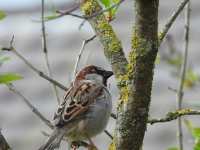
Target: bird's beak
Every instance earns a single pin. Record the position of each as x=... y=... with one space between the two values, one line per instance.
x=107 y=74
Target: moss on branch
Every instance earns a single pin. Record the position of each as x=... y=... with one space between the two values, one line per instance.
x=133 y=110
x=134 y=78
x=174 y=115
x=111 y=44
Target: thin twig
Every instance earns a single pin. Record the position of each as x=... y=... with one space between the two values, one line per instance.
x=105 y=10
x=174 y=115
x=78 y=58
x=48 y=135
x=172 y=89
x=108 y=134
x=40 y=73
x=27 y=102
x=171 y=20
x=68 y=12
x=170 y=116
x=3 y=143
x=81 y=24
x=182 y=78
x=64 y=13
x=73 y=8
x=80 y=54
x=45 y=50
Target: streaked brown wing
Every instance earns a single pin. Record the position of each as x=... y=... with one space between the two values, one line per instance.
x=77 y=102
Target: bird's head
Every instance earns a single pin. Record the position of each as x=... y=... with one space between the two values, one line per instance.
x=95 y=73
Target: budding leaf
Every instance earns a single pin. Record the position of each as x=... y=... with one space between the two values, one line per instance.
x=2 y=14
x=173 y=148
x=9 y=77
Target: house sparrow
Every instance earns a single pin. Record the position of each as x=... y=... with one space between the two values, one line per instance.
x=85 y=110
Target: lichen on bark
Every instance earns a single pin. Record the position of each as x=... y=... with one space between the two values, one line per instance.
x=134 y=76
x=111 y=44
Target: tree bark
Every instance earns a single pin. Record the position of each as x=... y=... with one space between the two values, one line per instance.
x=111 y=44
x=133 y=113
x=134 y=77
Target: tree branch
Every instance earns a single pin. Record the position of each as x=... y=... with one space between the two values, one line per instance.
x=133 y=109
x=33 y=109
x=171 y=20
x=170 y=116
x=105 y=10
x=174 y=115
x=111 y=44
x=40 y=73
x=108 y=134
x=45 y=50
x=68 y=12
x=180 y=92
x=80 y=54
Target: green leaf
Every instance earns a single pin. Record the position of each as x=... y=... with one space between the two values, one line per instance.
x=189 y=125
x=191 y=78
x=116 y=1
x=52 y=17
x=2 y=14
x=176 y=61
x=110 y=14
x=106 y=3
x=197 y=145
x=9 y=77
x=196 y=133
x=114 y=10
x=173 y=148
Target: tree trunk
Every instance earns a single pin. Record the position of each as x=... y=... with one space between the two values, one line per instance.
x=134 y=77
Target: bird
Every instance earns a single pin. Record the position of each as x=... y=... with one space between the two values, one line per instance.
x=85 y=109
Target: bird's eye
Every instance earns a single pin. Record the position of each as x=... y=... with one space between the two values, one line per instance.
x=93 y=70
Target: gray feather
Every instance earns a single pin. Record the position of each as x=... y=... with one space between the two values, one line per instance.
x=53 y=141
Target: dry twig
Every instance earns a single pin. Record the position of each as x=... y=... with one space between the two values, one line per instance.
x=45 y=50
x=174 y=115
x=80 y=54
x=179 y=95
x=40 y=73
x=171 y=20
x=33 y=108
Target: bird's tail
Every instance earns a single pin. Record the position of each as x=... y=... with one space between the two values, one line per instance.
x=53 y=141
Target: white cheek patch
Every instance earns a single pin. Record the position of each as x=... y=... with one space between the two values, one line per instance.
x=95 y=77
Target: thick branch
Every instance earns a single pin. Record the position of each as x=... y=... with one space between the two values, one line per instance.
x=133 y=110
x=111 y=44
